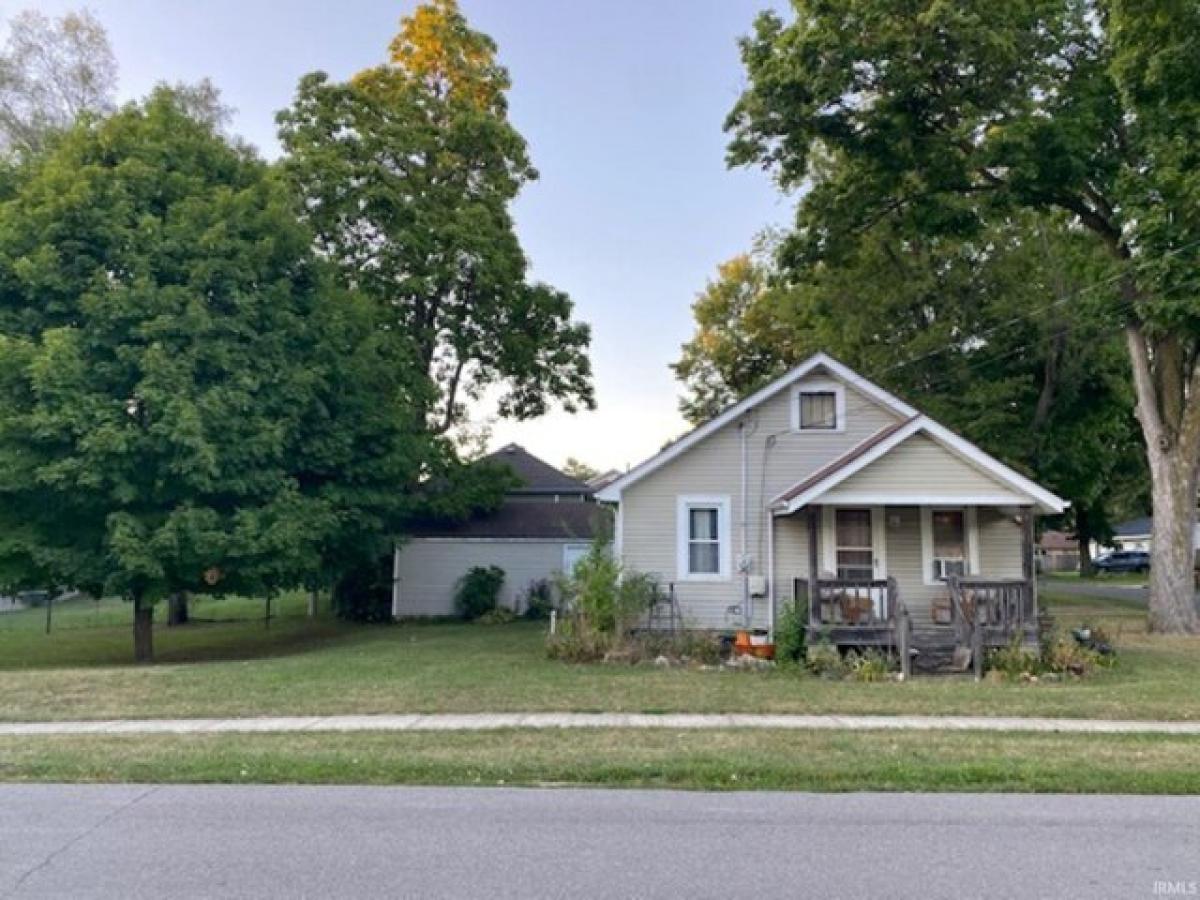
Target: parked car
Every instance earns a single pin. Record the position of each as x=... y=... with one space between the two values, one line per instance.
x=1123 y=561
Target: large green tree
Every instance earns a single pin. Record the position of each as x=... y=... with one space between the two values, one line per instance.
x=947 y=324
x=406 y=173
x=181 y=407
x=945 y=116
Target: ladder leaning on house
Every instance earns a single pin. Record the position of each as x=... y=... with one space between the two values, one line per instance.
x=664 y=613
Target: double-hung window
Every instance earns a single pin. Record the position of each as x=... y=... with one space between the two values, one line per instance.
x=703 y=538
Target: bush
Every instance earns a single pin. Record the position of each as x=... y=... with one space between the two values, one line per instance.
x=1014 y=661
x=501 y=615
x=578 y=645
x=825 y=661
x=598 y=597
x=478 y=591
x=869 y=665
x=791 y=633
x=539 y=600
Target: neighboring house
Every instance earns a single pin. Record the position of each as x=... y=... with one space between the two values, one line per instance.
x=541 y=529
x=1136 y=534
x=823 y=487
x=1058 y=552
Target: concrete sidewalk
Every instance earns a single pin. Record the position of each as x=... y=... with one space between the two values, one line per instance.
x=551 y=721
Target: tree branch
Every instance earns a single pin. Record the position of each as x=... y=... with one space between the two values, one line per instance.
x=1143 y=382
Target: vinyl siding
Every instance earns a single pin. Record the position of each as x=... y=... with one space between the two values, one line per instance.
x=429 y=568
x=649 y=534
x=919 y=466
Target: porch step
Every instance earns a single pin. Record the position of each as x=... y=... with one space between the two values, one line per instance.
x=937 y=651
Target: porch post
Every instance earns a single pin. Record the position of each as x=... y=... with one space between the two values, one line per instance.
x=814 y=599
x=1028 y=567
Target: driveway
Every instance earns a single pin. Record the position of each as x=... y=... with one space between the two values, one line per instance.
x=134 y=842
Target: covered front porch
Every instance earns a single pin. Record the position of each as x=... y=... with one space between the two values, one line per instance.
x=930 y=578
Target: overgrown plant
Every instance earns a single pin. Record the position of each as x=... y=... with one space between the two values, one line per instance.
x=478 y=591
x=791 y=633
x=539 y=599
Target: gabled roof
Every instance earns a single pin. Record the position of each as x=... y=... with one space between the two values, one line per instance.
x=884 y=441
x=612 y=492
x=535 y=475
x=855 y=459
x=845 y=460
x=523 y=519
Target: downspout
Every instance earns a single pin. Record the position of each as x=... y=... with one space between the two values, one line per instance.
x=743 y=560
x=770 y=576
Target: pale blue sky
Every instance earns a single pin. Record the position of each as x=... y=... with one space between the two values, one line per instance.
x=622 y=103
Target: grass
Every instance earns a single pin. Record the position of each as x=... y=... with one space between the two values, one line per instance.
x=1116 y=579
x=720 y=760
x=315 y=667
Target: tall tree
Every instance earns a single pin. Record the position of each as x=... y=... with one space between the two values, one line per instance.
x=169 y=345
x=52 y=71
x=948 y=324
x=945 y=115
x=406 y=173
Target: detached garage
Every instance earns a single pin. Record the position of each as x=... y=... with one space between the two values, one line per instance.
x=543 y=527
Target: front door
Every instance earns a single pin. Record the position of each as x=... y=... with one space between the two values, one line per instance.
x=858 y=549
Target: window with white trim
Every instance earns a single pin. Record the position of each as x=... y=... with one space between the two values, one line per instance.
x=855 y=554
x=819 y=406
x=949 y=527
x=703 y=535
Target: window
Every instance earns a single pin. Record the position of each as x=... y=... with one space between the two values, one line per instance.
x=819 y=406
x=703 y=534
x=855 y=554
x=704 y=545
x=949 y=543
x=818 y=409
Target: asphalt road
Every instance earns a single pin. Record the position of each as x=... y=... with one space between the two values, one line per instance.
x=134 y=842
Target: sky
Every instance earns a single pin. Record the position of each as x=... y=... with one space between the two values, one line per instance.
x=622 y=103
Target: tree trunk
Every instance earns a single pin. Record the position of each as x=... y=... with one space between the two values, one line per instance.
x=143 y=630
x=312 y=603
x=1083 y=539
x=1172 y=584
x=1168 y=408
x=177 y=609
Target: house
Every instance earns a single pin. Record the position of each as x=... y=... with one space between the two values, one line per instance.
x=542 y=528
x=824 y=488
x=1057 y=552
x=1137 y=534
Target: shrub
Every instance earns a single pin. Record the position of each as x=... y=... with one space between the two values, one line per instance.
x=791 y=633
x=825 y=661
x=364 y=593
x=1014 y=661
x=478 y=591
x=1066 y=656
x=501 y=615
x=539 y=599
x=578 y=645
x=599 y=598
x=869 y=665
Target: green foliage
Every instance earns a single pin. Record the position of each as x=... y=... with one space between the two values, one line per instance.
x=1014 y=661
x=870 y=665
x=599 y=597
x=575 y=644
x=478 y=591
x=826 y=662
x=791 y=633
x=941 y=122
x=1059 y=655
x=426 y=232
x=364 y=593
x=500 y=615
x=539 y=600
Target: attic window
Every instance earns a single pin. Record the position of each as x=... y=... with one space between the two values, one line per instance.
x=819 y=407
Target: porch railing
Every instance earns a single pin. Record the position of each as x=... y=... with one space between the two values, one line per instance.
x=849 y=602
x=1006 y=604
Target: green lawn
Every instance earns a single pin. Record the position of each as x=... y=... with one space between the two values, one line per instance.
x=300 y=667
x=720 y=760
x=1117 y=579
